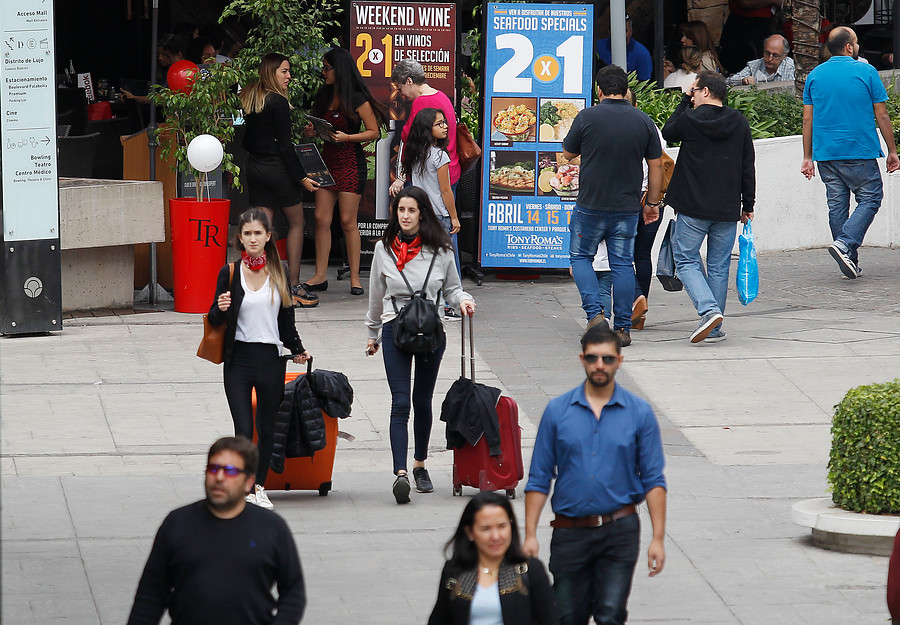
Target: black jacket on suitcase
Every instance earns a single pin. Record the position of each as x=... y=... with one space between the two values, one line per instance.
x=470 y=411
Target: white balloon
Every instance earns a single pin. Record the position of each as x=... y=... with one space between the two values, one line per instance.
x=205 y=153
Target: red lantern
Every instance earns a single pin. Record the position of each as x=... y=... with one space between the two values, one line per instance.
x=181 y=76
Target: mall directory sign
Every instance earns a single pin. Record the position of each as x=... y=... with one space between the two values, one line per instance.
x=537 y=77
x=30 y=286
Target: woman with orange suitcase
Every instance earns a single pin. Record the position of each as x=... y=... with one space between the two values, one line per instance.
x=254 y=302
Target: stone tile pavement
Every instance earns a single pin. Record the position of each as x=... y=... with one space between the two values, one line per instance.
x=106 y=424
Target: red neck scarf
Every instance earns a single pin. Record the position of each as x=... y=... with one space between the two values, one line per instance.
x=404 y=251
x=254 y=264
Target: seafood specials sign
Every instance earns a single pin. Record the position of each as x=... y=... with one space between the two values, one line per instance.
x=537 y=78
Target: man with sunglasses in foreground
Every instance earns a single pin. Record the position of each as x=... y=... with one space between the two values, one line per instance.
x=216 y=560
x=602 y=445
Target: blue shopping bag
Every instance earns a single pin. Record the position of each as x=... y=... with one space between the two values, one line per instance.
x=747 y=279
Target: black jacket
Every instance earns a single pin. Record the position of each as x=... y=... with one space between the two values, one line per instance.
x=287 y=330
x=299 y=423
x=715 y=174
x=470 y=410
x=269 y=132
x=526 y=597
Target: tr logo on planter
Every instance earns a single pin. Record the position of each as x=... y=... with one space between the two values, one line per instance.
x=206 y=232
x=33 y=287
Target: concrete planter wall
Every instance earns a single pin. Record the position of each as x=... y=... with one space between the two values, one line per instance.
x=791 y=212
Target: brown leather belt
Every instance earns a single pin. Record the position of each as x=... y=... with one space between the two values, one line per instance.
x=567 y=522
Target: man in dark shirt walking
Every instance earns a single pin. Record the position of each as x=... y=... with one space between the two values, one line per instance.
x=712 y=188
x=602 y=444
x=613 y=138
x=216 y=560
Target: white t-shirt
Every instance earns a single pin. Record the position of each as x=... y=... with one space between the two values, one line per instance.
x=257 y=320
x=680 y=78
x=428 y=180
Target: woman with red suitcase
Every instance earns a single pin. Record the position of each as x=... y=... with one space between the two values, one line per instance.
x=414 y=253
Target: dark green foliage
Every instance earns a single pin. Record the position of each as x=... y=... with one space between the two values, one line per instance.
x=864 y=468
x=783 y=109
x=207 y=109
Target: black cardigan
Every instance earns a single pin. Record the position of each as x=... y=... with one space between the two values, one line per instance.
x=526 y=597
x=287 y=330
x=269 y=133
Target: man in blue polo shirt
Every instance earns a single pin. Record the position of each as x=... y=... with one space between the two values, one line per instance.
x=602 y=445
x=841 y=100
x=637 y=56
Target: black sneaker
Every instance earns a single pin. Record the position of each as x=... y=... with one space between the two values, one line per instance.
x=846 y=265
x=423 y=481
x=450 y=314
x=401 y=488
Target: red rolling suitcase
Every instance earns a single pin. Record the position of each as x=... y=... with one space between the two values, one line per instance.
x=473 y=465
x=305 y=473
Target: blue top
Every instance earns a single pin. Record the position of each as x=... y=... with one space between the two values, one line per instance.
x=600 y=464
x=842 y=91
x=636 y=55
x=486 y=608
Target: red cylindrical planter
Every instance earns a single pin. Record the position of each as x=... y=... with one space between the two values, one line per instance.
x=199 y=241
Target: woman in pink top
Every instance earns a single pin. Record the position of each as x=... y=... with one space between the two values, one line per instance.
x=408 y=77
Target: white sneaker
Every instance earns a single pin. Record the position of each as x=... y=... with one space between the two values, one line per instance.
x=262 y=499
x=251 y=498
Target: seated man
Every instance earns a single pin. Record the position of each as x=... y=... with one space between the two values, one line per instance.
x=637 y=56
x=776 y=64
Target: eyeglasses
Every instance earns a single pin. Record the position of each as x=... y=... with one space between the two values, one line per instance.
x=773 y=55
x=230 y=471
x=443 y=122
x=693 y=89
x=327 y=68
x=592 y=359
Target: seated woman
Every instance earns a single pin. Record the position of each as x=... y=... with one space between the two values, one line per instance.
x=487 y=578
x=685 y=75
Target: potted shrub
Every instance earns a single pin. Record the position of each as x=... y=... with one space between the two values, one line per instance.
x=864 y=467
x=200 y=103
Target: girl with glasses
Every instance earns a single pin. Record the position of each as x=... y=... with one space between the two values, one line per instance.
x=426 y=162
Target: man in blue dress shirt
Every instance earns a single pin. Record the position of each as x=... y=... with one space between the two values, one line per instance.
x=602 y=446
x=637 y=56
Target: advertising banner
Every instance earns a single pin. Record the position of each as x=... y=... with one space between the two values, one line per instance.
x=381 y=34
x=537 y=70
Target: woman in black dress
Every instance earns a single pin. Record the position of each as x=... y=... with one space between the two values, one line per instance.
x=346 y=102
x=275 y=177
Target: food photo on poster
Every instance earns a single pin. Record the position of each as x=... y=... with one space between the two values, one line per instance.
x=537 y=72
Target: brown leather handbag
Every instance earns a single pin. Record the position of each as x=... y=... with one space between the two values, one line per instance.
x=212 y=345
x=467 y=150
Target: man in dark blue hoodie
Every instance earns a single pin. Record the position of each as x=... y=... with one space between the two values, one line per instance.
x=712 y=188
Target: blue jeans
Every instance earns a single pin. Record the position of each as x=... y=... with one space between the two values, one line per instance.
x=707 y=287
x=592 y=571
x=864 y=180
x=604 y=280
x=398 y=367
x=586 y=230
x=448 y=226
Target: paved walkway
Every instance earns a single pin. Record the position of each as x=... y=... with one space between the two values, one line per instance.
x=106 y=424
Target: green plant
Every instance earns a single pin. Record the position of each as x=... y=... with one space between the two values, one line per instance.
x=296 y=29
x=893 y=108
x=209 y=108
x=864 y=467
x=783 y=109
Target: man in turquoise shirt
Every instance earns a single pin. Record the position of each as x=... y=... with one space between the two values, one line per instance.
x=841 y=100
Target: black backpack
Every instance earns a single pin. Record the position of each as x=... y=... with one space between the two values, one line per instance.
x=417 y=327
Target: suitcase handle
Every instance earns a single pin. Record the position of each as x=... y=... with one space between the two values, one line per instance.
x=462 y=355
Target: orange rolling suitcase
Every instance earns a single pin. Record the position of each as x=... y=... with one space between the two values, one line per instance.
x=473 y=465
x=312 y=473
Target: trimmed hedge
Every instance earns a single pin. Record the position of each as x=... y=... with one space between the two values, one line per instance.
x=864 y=468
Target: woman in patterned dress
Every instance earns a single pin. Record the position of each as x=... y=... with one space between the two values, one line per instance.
x=346 y=102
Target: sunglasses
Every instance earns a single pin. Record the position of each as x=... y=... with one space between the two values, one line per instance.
x=230 y=471
x=593 y=358
x=327 y=68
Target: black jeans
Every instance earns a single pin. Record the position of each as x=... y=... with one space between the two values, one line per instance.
x=259 y=366
x=643 y=264
x=592 y=571
x=398 y=367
